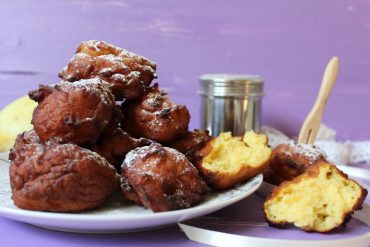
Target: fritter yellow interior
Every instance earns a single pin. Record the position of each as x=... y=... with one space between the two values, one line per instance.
x=230 y=153
x=317 y=202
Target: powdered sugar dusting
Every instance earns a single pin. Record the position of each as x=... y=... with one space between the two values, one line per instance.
x=119 y=77
x=83 y=82
x=67 y=149
x=142 y=152
x=31 y=136
x=105 y=71
x=312 y=152
x=79 y=57
x=102 y=46
x=95 y=45
x=134 y=74
x=178 y=156
x=137 y=153
x=118 y=61
x=95 y=86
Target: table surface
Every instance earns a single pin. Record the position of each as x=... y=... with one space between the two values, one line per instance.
x=288 y=44
x=243 y=218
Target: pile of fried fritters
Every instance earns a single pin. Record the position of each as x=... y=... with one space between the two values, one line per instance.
x=84 y=127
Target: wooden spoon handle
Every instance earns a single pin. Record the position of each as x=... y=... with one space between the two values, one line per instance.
x=312 y=122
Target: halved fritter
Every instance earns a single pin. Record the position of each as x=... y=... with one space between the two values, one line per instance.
x=229 y=160
x=320 y=200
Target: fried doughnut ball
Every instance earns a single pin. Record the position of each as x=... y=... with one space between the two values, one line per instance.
x=128 y=73
x=58 y=177
x=291 y=159
x=162 y=179
x=155 y=117
x=114 y=143
x=73 y=112
x=191 y=143
x=319 y=200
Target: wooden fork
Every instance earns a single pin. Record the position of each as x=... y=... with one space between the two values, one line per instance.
x=312 y=122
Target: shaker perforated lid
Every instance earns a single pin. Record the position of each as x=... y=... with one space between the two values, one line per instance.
x=231 y=85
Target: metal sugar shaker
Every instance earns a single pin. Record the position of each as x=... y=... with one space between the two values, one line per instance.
x=230 y=103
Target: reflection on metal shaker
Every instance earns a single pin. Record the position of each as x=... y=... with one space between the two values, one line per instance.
x=230 y=103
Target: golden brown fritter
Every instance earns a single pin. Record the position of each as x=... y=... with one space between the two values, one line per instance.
x=128 y=73
x=162 y=178
x=155 y=117
x=319 y=200
x=73 y=112
x=291 y=159
x=114 y=143
x=228 y=160
x=191 y=143
x=58 y=177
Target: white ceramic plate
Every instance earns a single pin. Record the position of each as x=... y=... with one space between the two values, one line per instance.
x=116 y=215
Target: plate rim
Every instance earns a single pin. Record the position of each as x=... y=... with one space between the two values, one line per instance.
x=6 y=211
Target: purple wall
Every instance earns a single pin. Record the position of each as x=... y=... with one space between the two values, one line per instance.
x=287 y=42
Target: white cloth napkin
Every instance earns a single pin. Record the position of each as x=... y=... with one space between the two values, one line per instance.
x=339 y=153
